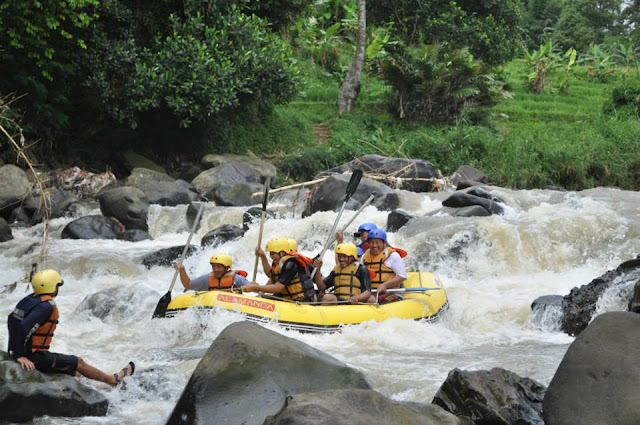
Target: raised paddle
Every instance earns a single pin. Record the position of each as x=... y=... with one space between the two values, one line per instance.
x=366 y=204
x=265 y=196
x=351 y=189
x=161 y=308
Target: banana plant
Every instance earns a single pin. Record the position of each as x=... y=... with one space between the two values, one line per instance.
x=566 y=67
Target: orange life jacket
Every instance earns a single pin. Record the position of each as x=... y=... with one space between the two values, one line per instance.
x=41 y=338
x=226 y=281
x=379 y=272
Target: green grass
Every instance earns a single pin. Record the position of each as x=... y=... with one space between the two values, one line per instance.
x=529 y=141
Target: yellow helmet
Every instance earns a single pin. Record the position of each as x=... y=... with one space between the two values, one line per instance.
x=293 y=245
x=46 y=282
x=221 y=258
x=278 y=244
x=347 y=249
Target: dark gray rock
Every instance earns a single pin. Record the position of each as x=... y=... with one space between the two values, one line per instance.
x=546 y=301
x=222 y=234
x=546 y=313
x=127 y=204
x=25 y=395
x=166 y=256
x=496 y=397
x=329 y=195
x=226 y=173
x=253 y=215
x=92 y=227
x=140 y=176
x=262 y=168
x=248 y=373
x=5 y=231
x=580 y=304
x=597 y=380
x=396 y=219
x=59 y=203
x=634 y=303
x=358 y=407
x=469 y=174
x=472 y=211
x=465 y=184
x=134 y=235
x=235 y=194
x=460 y=199
x=484 y=193
x=165 y=193
x=118 y=303
x=14 y=188
x=394 y=169
x=19 y=216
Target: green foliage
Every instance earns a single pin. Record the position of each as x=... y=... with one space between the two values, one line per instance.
x=600 y=65
x=279 y=13
x=489 y=28
x=538 y=17
x=438 y=84
x=625 y=99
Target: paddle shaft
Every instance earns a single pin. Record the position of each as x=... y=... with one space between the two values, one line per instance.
x=393 y=290
x=265 y=196
x=186 y=247
x=344 y=228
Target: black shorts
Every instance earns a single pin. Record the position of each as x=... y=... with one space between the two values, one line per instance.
x=48 y=362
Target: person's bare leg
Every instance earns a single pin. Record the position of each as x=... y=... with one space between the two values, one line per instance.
x=91 y=372
x=329 y=299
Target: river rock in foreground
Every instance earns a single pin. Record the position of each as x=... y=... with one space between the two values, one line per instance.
x=496 y=397
x=25 y=395
x=251 y=376
x=597 y=380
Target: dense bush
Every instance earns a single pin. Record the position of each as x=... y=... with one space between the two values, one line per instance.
x=489 y=28
x=625 y=99
x=437 y=84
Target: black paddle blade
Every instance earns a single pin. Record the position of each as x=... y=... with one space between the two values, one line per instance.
x=265 y=195
x=161 y=308
x=353 y=183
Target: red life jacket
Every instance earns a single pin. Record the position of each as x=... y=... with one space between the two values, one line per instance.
x=41 y=338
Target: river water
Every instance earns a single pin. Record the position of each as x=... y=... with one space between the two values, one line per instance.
x=547 y=242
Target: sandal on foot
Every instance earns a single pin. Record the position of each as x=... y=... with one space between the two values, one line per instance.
x=125 y=372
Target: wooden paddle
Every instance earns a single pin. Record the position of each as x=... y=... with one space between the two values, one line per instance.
x=265 y=196
x=163 y=303
x=351 y=189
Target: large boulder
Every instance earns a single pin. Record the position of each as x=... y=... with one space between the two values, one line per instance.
x=396 y=219
x=127 y=204
x=329 y=194
x=222 y=234
x=25 y=395
x=5 y=231
x=248 y=373
x=597 y=380
x=59 y=203
x=467 y=176
x=579 y=305
x=496 y=397
x=236 y=194
x=166 y=256
x=116 y=304
x=358 y=407
x=92 y=227
x=460 y=199
x=166 y=193
x=135 y=160
x=228 y=172
x=134 y=235
x=14 y=188
x=395 y=172
x=140 y=176
x=263 y=168
x=634 y=302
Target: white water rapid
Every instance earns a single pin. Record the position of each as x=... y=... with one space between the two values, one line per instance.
x=493 y=268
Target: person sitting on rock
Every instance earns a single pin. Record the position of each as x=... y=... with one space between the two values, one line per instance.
x=362 y=233
x=221 y=278
x=290 y=274
x=349 y=279
x=32 y=325
x=386 y=267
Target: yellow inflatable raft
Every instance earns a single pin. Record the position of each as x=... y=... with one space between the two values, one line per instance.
x=424 y=298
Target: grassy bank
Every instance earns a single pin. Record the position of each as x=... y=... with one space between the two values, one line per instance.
x=529 y=141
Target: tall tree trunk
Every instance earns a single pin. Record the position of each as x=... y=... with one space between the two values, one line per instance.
x=351 y=84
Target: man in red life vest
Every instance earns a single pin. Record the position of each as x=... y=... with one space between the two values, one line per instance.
x=31 y=327
x=221 y=278
x=289 y=275
x=386 y=266
x=349 y=279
